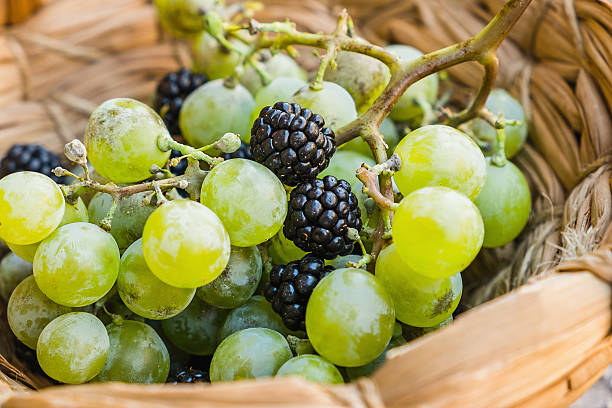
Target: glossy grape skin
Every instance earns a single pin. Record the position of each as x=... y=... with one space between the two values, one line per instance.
x=418 y=300
x=504 y=204
x=256 y=312
x=13 y=270
x=425 y=90
x=213 y=59
x=72 y=213
x=364 y=77
x=121 y=140
x=195 y=330
x=77 y=265
x=280 y=89
x=343 y=165
x=143 y=293
x=237 y=282
x=137 y=354
x=129 y=218
x=248 y=198
x=279 y=65
x=349 y=317
x=182 y=17
x=213 y=110
x=500 y=101
x=249 y=353
x=29 y=311
x=313 y=368
x=73 y=348
x=31 y=207
x=283 y=251
x=437 y=231
x=185 y=244
x=438 y=155
x=332 y=102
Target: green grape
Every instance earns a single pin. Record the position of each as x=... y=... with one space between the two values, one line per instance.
x=143 y=293
x=313 y=368
x=31 y=207
x=364 y=77
x=13 y=270
x=388 y=131
x=411 y=332
x=249 y=353
x=341 y=261
x=185 y=244
x=129 y=218
x=500 y=101
x=276 y=66
x=437 y=231
x=73 y=348
x=349 y=318
x=439 y=155
x=256 y=312
x=250 y=200
x=213 y=59
x=215 y=109
x=77 y=265
x=183 y=18
x=332 y=102
x=417 y=100
x=29 y=311
x=195 y=330
x=73 y=213
x=367 y=370
x=237 y=282
x=280 y=89
x=283 y=251
x=121 y=140
x=504 y=204
x=343 y=165
x=418 y=300
x=137 y=354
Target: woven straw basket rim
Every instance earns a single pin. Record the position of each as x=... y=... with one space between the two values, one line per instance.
x=540 y=345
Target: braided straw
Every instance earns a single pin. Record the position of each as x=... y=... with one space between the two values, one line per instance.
x=540 y=346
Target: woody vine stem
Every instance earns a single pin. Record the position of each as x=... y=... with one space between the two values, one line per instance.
x=283 y=35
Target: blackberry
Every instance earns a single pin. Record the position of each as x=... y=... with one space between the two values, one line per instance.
x=320 y=215
x=30 y=158
x=171 y=92
x=292 y=142
x=189 y=376
x=244 y=152
x=290 y=288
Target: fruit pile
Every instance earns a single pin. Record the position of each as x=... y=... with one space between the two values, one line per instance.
x=262 y=246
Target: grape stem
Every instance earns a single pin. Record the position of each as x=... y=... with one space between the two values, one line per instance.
x=165 y=143
x=331 y=50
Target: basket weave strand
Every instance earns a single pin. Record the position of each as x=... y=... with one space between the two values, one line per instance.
x=539 y=346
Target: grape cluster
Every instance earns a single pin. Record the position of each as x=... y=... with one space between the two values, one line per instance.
x=115 y=286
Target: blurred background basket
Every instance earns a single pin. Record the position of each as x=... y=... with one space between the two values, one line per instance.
x=541 y=345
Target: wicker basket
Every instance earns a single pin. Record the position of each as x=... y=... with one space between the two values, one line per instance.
x=541 y=345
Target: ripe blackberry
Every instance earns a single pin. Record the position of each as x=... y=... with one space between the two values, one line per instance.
x=290 y=288
x=30 y=158
x=171 y=92
x=320 y=215
x=244 y=152
x=292 y=142
x=189 y=376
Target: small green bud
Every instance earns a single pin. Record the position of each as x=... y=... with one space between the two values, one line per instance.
x=229 y=143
